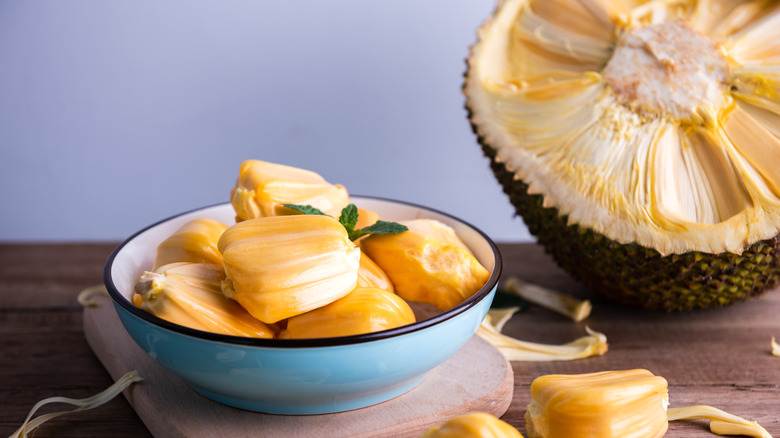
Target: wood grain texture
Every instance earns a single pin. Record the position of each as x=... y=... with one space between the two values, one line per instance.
x=44 y=351
x=719 y=357
x=476 y=378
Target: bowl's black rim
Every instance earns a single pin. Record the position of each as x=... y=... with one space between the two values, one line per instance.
x=313 y=342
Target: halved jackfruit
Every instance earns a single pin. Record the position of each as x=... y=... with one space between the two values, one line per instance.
x=639 y=141
x=282 y=266
x=262 y=189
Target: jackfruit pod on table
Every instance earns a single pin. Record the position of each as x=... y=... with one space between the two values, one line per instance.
x=190 y=294
x=282 y=266
x=371 y=275
x=263 y=188
x=428 y=263
x=473 y=425
x=612 y=404
x=609 y=404
x=196 y=242
x=364 y=310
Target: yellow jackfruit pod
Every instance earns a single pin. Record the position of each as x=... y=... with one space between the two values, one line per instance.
x=196 y=242
x=473 y=425
x=609 y=404
x=364 y=310
x=263 y=188
x=282 y=266
x=428 y=263
x=366 y=218
x=190 y=294
x=371 y=275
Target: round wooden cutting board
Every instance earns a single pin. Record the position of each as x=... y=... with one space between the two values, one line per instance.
x=476 y=378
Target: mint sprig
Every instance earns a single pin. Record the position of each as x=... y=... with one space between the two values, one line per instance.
x=349 y=218
x=378 y=227
x=305 y=209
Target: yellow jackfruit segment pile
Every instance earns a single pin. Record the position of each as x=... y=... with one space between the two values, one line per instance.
x=277 y=273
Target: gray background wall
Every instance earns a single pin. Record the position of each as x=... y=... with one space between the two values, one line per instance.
x=115 y=114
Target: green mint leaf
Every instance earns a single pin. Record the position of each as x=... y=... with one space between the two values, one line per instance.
x=357 y=234
x=305 y=209
x=384 y=227
x=349 y=218
x=379 y=227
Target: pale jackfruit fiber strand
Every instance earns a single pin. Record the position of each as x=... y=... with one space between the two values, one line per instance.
x=564 y=304
x=30 y=424
x=594 y=344
x=547 y=90
x=85 y=296
x=83 y=404
x=721 y=422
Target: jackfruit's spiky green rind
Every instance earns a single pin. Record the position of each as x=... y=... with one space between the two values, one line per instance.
x=637 y=276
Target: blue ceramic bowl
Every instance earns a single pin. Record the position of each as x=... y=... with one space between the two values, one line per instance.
x=299 y=376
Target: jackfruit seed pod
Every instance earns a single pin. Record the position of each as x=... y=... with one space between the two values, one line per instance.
x=282 y=266
x=195 y=241
x=371 y=275
x=609 y=404
x=428 y=263
x=189 y=294
x=473 y=425
x=364 y=310
x=263 y=188
x=365 y=218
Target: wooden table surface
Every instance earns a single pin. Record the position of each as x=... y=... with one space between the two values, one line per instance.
x=720 y=357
